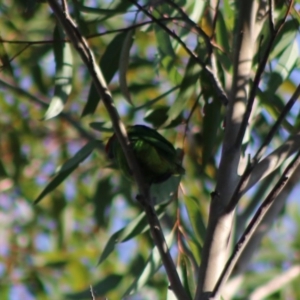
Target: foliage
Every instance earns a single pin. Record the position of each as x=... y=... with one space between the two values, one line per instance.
x=72 y=227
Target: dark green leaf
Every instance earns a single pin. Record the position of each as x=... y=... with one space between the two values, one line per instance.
x=101 y=126
x=67 y=168
x=150 y=268
x=55 y=182
x=135 y=227
x=63 y=76
x=167 y=54
x=101 y=288
x=157 y=117
x=187 y=274
x=79 y=157
x=187 y=89
x=109 y=65
x=211 y=126
x=196 y=219
x=123 y=65
x=102 y=199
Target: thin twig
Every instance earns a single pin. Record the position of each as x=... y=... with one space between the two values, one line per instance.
x=194 y=25
x=262 y=210
x=17 y=54
x=87 y=57
x=42 y=101
x=91 y=36
x=212 y=76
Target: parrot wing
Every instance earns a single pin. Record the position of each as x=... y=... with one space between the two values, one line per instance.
x=152 y=137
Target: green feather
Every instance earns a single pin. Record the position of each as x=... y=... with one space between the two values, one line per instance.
x=156 y=156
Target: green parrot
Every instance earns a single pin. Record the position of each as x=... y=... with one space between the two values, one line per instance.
x=157 y=157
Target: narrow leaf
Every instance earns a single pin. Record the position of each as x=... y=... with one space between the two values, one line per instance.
x=107 y=284
x=101 y=126
x=152 y=265
x=167 y=54
x=80 y=156
x=109 y=65
x=123 y=65
x=187 y=88
x=63 y=77
x=211 y=125
x=157 y=116
x=66 y=169
x=135 y=227
x=56 y=181
x=195 y=217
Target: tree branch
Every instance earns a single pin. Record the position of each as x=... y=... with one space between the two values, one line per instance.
x=262 y=210
x=216 y=245
x=87 y=57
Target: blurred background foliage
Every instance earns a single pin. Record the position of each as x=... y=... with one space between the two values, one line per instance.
x=51 y=250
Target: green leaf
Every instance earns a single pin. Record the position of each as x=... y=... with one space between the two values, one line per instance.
x=123 y=65
x=187 y=89
x=167 y=54
x=79 y=157
x=165 y=191
x=134 y=228
x=107 y=284
x=286 y=37
x=285 y=64
x=109 y=65
x=211 y=126
x=63 y=76
x=5 y=60
x=150 y=268
x=66 y=169
x=222 y=33
x=195 y=217
x=101 y=126
x=56 y=181
x=157 y=116
x=187 y=275
x=102 y=199
x=111 y=11
x=160 y=97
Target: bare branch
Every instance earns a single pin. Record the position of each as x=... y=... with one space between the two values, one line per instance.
x=216 y=245
x=87 y=57
x=262 y=210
